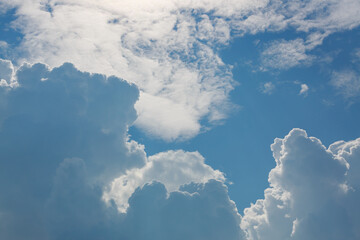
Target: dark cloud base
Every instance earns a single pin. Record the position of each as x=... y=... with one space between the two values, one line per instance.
x=63 y=137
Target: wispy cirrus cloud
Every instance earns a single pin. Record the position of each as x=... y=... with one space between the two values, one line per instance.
x=347 y=83
x=285 y=54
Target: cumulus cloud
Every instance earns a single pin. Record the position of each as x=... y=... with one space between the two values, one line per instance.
x=50 y=116
x=63 y=140
x=304 y=88
x=198 y=212
x=64 y=149
x=170 y=48
x=313 y=193
x=172 y=168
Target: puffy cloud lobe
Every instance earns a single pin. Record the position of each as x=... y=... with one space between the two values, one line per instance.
x=199 y=211
x=80 y=110
x=304 y=88
x=73 y=209
x=53 y=115
x=312 y=194
x=172 y=168
x=63 y=138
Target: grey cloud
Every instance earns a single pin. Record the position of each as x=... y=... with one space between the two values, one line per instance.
x=44 y=122
x=63 y=138
x=198 y=212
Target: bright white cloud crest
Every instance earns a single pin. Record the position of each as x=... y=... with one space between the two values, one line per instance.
x=7 y=73
x=313 y=192
x=173 y=169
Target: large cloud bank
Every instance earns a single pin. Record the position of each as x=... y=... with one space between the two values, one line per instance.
x=313 y=193
x=170 y=48
x=69 y=171
x=63 y=141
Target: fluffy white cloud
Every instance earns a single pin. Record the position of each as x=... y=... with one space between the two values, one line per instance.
x=172 y=168
x=304 y=88
x=313 y=193
x=170 y=48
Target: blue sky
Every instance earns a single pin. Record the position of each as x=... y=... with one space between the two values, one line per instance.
x=263 y=117
x=194 y=119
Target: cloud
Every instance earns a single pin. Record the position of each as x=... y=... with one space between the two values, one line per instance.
x=313 y=193
x=170 y=48
x=356 y=56
x=176 y=117
x=268 y=88
x=161 y=48
x=64 y=149
x=347 y=83
x=52 y=115
x=172 y=168
x=199 y=211
x=304 y=89
x=7 y=72
x=285 y=54
x=4 y=46
x=63 y=140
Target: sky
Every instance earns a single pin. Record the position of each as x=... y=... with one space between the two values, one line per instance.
x=168 y=119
